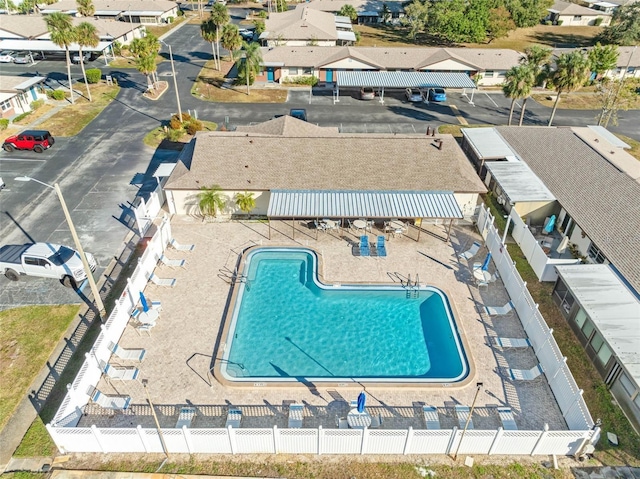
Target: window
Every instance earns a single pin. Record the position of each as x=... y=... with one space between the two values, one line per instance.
x=636 y=401
x=595 y=254
x=588 y=328
x=488 y=74
x=580 y=318
x=5 y=105
x=604 y=354
x=577 y=18
x=627 y=384
x=307 y=71
x=293 y=70
x=502 y=74
x=631 y=70
x=596 y=342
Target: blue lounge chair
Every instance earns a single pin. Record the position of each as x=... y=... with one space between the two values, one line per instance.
x=364 y=246
x=381 y=247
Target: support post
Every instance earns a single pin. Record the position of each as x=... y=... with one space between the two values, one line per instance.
x=466 y=424
x=449 y=229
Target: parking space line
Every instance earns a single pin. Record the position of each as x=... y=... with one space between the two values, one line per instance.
x=489 y=97
x=18 y=159
x=457 y=114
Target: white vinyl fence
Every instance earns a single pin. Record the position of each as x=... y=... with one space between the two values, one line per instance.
x=147 y=210
x=543 y=266
x=70 y=438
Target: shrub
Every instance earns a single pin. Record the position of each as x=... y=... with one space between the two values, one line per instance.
x=262 y=14
x=548 y=22
x=117 y=48
x=174 y=135
x=4 y=123
x=193 y=126
x=56 y=94
x=36 y=104
x=559 y=22
x=93 y=75
x=306 y=80
x=21 y=116
x=598 y=21
x=175 y=124
x=169 y=20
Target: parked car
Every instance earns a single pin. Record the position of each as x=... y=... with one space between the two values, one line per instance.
x=6 y=56
x=85 y=57
x=246 y=34
x=413 y=95
x=299 y=113
x=437 y=94
x=367 y=93
x=36 y=140
x=24 y=57
x=45 y=260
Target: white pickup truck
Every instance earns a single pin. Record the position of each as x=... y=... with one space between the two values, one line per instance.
x=45 y=260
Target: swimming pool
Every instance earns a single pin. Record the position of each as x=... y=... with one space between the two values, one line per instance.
x=284 y=325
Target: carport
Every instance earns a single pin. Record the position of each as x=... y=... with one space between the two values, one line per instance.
x=385 y=79
x=374 y=205
x=47 y=46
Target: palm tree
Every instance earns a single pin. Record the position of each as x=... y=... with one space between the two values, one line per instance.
x=86 y=36
x=209 y=31
x=86 y=8
x=518 y=84
x=537 y=58
x=245 y=201
x=572 y=71
x=145 y=50
x=63 y=34
x=210 y=200
x=231 y=39
x=220 y=17
x=349 y=11
x=251 y=63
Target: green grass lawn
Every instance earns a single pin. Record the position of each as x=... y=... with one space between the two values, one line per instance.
x=27 y=338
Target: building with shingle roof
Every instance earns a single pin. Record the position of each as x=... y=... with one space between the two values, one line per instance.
x=290 y=154
x=571 y=14
x=18 y=93
x=368 y=11
x=150 y=12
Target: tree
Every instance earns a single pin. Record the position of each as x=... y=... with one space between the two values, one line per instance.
x=603 y=58
x=500 y=23
x=615 y=95
x=9 y=6
x=63 y=34
x=459 y=20
x=209 y=33
x=281 y=6
x=624 y=28
x=572 y=71
x=245 y=201
x=518 y=84
x=251 y=64
x=211 y=200
x=145 y=50
x=231 y=39
x=349 y=11
x=259 y=26
x=386 y=13
x=86 y=36
x=220 y=17
x=537 y=58
x=27 y=6
x=415 y=17
x=86 y=8
x=527 y=13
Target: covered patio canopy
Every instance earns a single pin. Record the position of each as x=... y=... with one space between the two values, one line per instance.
x=309 y=204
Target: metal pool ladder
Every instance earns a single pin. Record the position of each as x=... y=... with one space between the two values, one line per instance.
x=412 y=290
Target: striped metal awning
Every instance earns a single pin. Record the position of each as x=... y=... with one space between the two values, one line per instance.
x=404 y=79
x=362 y=204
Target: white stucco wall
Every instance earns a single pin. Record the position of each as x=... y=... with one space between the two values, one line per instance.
x=467 y=203
x=577 y=239
x=300 y=43
x=494 y=77
x=584 y=20
x=349 y=64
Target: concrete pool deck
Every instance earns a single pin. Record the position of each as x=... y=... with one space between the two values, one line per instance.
x=180 y=347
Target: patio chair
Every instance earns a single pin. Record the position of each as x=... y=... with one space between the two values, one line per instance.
x=380 y=246
x=499 y=310
x=512 y=342
x=182 y=247
x=364 y=246
x=162 y=281
x=129 y=354
x=463 y=414
x=234 y=416
x=124 y=374
x=320 y=225
x=156 y=305
x=185 y=417
x=431 y=418
x=525 y=374
x=471 y=252
x=342 y=423
x=507 y=419
x=173 y=263
x=296 y=413
x=376 y=421
x=110 y=402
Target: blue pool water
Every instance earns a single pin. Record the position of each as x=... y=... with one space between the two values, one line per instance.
x=287 y=326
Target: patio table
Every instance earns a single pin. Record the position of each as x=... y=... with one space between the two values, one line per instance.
x=358 y=420
x=148 y=317
x=360 y=224
x=397 y=225
x=481 y=275
x=329 y=224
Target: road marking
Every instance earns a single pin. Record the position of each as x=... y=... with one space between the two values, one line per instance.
x=457 y=114
x=489 y=97
x=18 y=159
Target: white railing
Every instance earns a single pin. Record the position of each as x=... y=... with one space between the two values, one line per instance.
x=317 y=441
x=89 y=375
x=542 y=265
x=559 y=377
x=147 y=210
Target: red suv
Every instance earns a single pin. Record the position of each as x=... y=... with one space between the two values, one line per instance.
x=36 y=140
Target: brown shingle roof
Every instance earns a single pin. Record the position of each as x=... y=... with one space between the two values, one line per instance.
x=602 y=200
x=302 y=23
x=288 y=126
x=568 y=8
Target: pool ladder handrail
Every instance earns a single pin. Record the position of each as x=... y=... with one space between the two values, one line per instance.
x=413 y=290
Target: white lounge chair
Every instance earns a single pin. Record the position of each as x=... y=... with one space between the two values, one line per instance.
x=182 y=247
x=471 y=252
x=234 y=416
x=162 y=281
x=512 y=342
x=130 y=354
x=507 y=419
x=463 y=413
x=173 y=263
x=124 y=374
x=499 y=310
x=110 y=402
x=525 y=374
x=296 y=413
x=431 y=418
x=185 y=417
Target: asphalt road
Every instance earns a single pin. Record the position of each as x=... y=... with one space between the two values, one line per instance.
x=105 y=167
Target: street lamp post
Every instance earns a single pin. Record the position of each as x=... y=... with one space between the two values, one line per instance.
x=466 y=424
x=175 y=82
x=76 y=240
